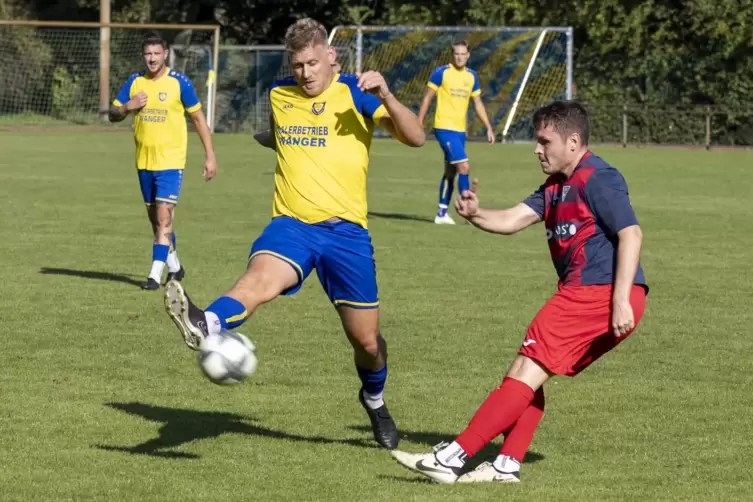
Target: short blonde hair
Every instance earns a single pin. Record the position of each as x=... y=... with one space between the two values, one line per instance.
x=304 y=33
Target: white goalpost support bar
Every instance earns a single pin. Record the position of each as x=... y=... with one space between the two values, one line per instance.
x=523 y=84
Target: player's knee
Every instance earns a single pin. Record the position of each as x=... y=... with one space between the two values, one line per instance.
x=528 y=371
x=369 y=342
x=370 y=347
x=464 y=167
x=164 y=216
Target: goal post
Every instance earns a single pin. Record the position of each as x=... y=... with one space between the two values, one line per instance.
x=62 y=73
x=519 y=68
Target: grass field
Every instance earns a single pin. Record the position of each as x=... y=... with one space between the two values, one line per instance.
x=100 y=399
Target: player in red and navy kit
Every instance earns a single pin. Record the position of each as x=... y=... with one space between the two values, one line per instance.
x=595 y=243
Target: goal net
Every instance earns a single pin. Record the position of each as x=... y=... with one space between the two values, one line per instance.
x=68 y=74
x=242 y=103
x=519 y=68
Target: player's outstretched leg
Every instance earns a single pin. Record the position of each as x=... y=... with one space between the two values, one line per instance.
x=267 y=276
x=370 y=355
x=506 y=467
x=498 y=413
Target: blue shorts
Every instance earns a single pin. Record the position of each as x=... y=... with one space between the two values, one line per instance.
x=160 y=186
x=453 y=145
x=341 y=252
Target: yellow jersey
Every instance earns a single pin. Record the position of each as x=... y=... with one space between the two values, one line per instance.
x=322 y=148
x=454 y=90
x=159 y=128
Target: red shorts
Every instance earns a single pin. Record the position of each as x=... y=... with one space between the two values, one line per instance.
x=573 y=329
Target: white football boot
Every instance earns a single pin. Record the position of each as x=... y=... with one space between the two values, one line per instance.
x=428 y=465
x=486 y=473
x=189 y=318
x=444 y=220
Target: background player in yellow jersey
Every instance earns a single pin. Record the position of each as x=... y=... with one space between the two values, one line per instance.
x=454 y=85
x=322 y=124
x=160 y=97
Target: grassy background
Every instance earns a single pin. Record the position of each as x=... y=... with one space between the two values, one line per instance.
x=100 y=399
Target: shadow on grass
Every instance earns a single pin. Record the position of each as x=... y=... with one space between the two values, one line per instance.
x=182 y=426
x=91 y=274
x=400 y=216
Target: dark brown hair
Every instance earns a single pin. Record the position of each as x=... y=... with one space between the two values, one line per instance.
x=565 y=117
x=153 y=38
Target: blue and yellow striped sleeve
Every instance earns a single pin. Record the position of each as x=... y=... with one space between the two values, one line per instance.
x=372 y=108
x=188 y=95
x=366 y=104
x=124 y=95
x=435 y=80
x=476 y=90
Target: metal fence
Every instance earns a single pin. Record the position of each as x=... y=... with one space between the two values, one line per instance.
x=246 y=72
x=692 y=125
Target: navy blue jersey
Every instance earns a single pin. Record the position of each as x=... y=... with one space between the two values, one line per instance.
x=582 y=215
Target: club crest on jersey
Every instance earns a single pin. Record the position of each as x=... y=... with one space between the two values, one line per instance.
x=162 y=96
x=318 y=108
x=565 y=189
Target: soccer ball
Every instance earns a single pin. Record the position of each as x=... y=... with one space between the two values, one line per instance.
x=227 y=357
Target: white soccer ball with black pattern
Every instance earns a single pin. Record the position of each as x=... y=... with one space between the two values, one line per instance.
x=227 y=358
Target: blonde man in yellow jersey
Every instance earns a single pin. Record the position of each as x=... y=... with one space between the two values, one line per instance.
x=159 y=97
x=322 y=124
x=454 y=85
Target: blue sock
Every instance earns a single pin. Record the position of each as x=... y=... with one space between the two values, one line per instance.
x=463 y=183
x=160 y=252
x=175 y=245
x=229 y=311
x=445 y=194
x=373 y=381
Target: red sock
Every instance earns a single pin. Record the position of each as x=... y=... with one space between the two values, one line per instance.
x=520 y=436
x=498 y=413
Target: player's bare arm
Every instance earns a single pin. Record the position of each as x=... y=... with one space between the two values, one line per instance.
x=629 y=244
x=399 y=120
x=496 y=221
x=118 y=113
x=202 y=128
x=481 y=112
x=425 y=103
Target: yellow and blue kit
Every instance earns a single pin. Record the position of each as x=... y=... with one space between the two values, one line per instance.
x=159 y=131
x=319 y=209
x=454 y=87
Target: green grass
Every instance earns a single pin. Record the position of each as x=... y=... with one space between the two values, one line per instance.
x=100 y=399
